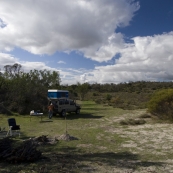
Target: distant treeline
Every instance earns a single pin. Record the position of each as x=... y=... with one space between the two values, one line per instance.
x=139 y=86
x=22 y=92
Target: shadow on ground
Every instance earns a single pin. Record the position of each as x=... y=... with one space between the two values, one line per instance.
x=95 y=109
x=68 y=158
x=72 y=160
x=85 y=116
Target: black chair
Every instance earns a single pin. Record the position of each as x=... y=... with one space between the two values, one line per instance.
x=13 y=127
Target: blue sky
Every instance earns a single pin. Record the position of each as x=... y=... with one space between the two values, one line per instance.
x=103 y=41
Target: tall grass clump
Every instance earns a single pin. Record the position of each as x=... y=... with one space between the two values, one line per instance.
x=161 y=104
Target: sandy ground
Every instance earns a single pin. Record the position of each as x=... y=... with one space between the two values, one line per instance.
x=153 y=141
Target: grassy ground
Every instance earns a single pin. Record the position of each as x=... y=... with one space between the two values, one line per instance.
x=103 y=145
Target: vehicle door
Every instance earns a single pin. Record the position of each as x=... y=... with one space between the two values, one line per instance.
x=72 y=106
x=67 y=105
x=55 y=104
x=61 y=105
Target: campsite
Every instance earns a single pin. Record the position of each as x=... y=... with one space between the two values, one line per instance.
x=86 y=86
x=124 y=127
x=99 y=142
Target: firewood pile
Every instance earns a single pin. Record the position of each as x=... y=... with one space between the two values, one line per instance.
x=41 y=140
x=25 y=152
x=5 y=148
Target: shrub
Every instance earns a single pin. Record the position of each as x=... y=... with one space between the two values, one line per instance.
x=99 y=101
x=161 y=104
x=95 y=94
x=108 y=97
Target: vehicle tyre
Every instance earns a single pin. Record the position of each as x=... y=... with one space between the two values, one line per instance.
x=63 y=113
x=77 y=111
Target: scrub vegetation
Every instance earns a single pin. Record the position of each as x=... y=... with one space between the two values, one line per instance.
x=22 y=92
x=161 y=104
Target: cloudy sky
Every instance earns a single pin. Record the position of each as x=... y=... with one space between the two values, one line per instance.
x=103 y=41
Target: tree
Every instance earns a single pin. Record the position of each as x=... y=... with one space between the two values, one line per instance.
x=22 y=92
x=82 y=90
x=12 y=70
x=108 y=97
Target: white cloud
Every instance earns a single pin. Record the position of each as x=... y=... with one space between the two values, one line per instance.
x=2 y=24
x=61 y=62
x=109 y=49
x=47 y=26
x=72 y=76
x=27 y=66
x=86 y=26
x=148 y=58
x=67 y=75
x=8 y=59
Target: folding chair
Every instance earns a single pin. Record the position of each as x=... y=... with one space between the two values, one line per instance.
x=3 y=133
x=13 y=127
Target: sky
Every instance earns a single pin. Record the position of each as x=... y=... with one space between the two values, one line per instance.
x=94 y=41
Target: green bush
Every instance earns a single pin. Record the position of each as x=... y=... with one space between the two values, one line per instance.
x=95 y=94
x=108 y=97
x=99 y=101
x=161 y=104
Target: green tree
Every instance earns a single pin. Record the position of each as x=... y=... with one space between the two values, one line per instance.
x=22 y=92
x=82 y=90
x=12 y=70
x=108 y=97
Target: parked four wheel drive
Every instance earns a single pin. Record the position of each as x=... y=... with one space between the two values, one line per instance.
x=63 y=106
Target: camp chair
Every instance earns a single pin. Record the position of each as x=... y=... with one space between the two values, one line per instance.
x=3 y=133
x=13 y=127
